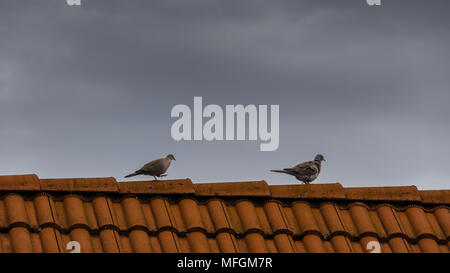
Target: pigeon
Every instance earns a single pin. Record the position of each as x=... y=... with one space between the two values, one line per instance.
x=306 y=171
x=156 y=168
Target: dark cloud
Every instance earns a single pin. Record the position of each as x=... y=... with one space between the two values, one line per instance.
x=87 y=91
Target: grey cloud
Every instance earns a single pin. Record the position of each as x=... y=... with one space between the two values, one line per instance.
x=88 y=91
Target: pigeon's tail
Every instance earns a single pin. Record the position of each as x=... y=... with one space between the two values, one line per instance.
x=281 y=171
x=132 y=174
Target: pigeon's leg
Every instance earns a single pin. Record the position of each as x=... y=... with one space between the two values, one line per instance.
x=155 y=178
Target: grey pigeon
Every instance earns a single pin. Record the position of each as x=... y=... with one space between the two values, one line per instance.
x=156 y=168
x=306 y=171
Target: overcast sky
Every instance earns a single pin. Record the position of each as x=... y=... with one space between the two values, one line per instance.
x=87 y=91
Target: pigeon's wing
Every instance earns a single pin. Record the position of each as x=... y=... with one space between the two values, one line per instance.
x=153 y=166
x=305 y=168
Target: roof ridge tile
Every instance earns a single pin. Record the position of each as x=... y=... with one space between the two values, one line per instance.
x=176 y=186
x=24 y=182
x=94 y=184
x=233 y=189
x=390 y=193
x=308 y=191
x=435 y=196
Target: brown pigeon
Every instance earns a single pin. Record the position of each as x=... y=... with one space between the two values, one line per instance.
x=306 y=171
x=156 y=168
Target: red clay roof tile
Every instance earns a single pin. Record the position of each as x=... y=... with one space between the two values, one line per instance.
x=390 y=221
x=191 y=214
x=435 y=196
x=178 y=216
x=219 y=215
x=44 y=213
x=227 y=242
x=240 y=189
x=180 y=186
x=442 y=215
x=132 y=213
x=309 y=191
x=99 y=184
x=276 y=217
x=402 y=193
x=27 y=182
x=308 y=221
x=49 y=241
x=139 y=241
x=20 y=240
x=314 y=244
x=332 y=218
x=362 y=220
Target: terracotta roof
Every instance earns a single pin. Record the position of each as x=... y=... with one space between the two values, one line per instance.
x=43 y=215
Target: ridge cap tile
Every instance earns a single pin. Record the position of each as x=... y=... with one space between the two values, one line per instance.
x=387 y=193
x=22 y=182
x=174 y=186
x=435 y=196
x=92 y=184
x=235 y=189
x=306 y=191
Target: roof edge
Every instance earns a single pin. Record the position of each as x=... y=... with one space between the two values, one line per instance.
x=94 y=184
x=177 y=186
x=25 y=182
x=308 y=191
x=435 y=196
x=392 y=193
x=330 y=191
x=234 y=189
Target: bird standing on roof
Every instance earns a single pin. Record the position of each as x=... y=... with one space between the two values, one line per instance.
x=156 y=168
x=306 y=171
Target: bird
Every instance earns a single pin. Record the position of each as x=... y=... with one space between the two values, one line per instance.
x=305 y=172
x=156 y=168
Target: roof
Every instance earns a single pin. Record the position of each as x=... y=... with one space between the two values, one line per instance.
x=103 y=215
